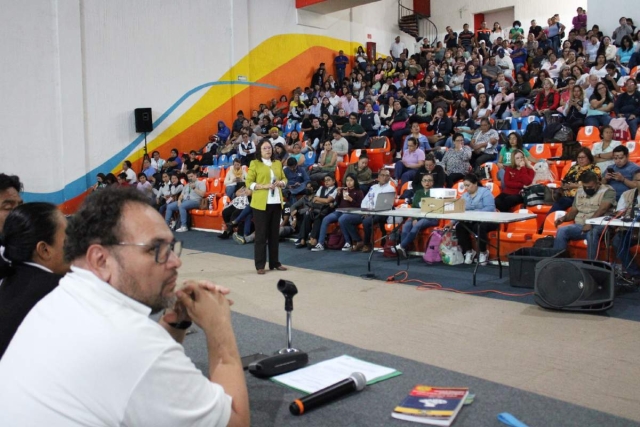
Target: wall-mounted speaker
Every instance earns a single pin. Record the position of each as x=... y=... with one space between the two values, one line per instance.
x=574 y=285
x=144 y=120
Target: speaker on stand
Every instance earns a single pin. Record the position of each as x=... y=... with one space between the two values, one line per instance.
x=144 y=123
x=574 y=285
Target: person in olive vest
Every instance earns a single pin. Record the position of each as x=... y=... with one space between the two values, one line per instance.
x=625 y=237
x=592 y=200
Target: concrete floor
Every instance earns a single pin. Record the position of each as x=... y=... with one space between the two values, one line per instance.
x=586 y=360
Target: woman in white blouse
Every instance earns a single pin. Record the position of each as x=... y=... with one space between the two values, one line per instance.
x=603 y=151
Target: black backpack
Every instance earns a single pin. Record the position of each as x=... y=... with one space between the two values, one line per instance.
x=533 y=134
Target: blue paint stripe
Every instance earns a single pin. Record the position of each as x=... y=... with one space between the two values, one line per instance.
x=80 y=185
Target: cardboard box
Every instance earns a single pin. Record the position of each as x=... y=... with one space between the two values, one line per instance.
x=442 y=206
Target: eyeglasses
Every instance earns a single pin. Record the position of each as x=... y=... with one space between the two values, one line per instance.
x=581 y=157
x=162 y=249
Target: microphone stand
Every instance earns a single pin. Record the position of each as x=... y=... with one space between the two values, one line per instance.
x=288 y=289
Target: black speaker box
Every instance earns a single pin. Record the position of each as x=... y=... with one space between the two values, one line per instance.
x=574 y=285
x=278 y=364
x=144 y=121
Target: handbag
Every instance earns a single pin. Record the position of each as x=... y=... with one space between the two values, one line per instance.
x=503 y=124
x=534 y=195
x=570 y=150
x=395 y=126
x=450 y=251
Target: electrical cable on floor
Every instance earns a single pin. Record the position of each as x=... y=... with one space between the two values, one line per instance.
x=428 y=286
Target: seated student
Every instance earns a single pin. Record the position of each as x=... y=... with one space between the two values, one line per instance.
x=423 y=142
x=441 y=125
x=144 y=186
x=432 y=169
x=456 y=160
x=33 y=240
x=625 y=237
x=369 y=120
x=548 y=99
x=484 y=144
x=246 y=149
x=174 y=162
x=192 y=163
x=237 y=212
x=571 y=181
x=310 y=221
x=592 y=200
x=354 y=134
x=413 y=226
x=339 y=145
x=603 y=151
x=297 y=179
x=280 y=153
x=362 y=172
x=156 y=162
x=296 y=153
x=162 y=190
x=412 y=160
x=235 y=175
x=464 y=125
x=349 y=196
x=326 y=164
x=189 y=199
x=130 y=175
x=518 y=175
x=349 y=221
x=620 y=174
x=504 y=156
x=627 y=106
x=122 y=180
x=476 y=198
x=147 y=169
x=600 y=106
x=423 y=110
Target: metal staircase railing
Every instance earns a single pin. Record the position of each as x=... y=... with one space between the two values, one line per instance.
x=423 y=26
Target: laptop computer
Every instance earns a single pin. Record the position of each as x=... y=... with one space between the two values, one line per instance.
x=384 y=202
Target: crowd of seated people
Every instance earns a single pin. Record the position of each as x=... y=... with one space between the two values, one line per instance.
x=437 y=107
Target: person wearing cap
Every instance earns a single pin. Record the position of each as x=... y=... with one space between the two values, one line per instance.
x=504 y=61
x=397 y=48
x=275 y=137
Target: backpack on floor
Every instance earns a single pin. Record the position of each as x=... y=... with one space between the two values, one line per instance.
x=335 y=240
x=533 y=134
x=432 y=250
x=450 y=251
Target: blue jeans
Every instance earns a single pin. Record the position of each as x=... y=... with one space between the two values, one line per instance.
x=622 y=243
x=404 y=173
x=501 y=177
x=633 y=127
x=520 y=102
x=246 y=215
x=348 y=223
x=185 y=206
x=230 y=191
x=411 y=230
x=574 y=232
x=601 y=120
x=329 y=219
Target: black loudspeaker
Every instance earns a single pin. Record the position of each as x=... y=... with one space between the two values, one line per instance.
x=278 y=364
x=574 y=285
x=144 y=121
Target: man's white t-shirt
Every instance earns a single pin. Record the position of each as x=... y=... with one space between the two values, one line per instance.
x=88 y=355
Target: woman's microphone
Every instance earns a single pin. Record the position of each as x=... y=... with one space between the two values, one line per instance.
x=356 y=382
x=273 y=190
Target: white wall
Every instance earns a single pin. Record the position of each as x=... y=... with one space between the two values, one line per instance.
x=458 y=12
x=74 y=70
x=602 y=13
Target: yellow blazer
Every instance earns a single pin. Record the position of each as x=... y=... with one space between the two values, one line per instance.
x=261 y=174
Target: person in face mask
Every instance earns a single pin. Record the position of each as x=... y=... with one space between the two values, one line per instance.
x=516 y=31
x=592 y=200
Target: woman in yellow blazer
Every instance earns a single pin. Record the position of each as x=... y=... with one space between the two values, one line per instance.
x=266 y=179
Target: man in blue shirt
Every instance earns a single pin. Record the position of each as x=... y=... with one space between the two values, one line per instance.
x=297 y=178
x=627 y=106
x=341 y=62
x=620 y=174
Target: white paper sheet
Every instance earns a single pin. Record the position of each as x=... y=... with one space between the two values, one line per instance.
x=323 y=374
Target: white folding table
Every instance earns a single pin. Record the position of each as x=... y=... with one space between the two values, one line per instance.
x=468 y=216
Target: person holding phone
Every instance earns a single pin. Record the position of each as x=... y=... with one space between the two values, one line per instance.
x=620 y=174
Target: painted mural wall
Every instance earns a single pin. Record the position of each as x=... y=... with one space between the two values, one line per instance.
x=75 y=70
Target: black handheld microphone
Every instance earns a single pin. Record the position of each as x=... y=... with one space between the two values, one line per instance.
x=355 y=382
x=273 y=189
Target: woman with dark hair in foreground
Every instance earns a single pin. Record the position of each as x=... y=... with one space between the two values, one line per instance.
x=33 y=264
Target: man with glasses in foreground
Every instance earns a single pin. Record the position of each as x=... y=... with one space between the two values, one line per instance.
x=88 y=354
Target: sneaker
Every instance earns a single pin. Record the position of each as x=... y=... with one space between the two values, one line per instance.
x=483 y=257
x=469 y=256
x=346 y=247
x=172 y=224
x=317 y=248
x=239 y=239
x=250 y=238
x=182 y=229
x=357 y=247
x=401 y=251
